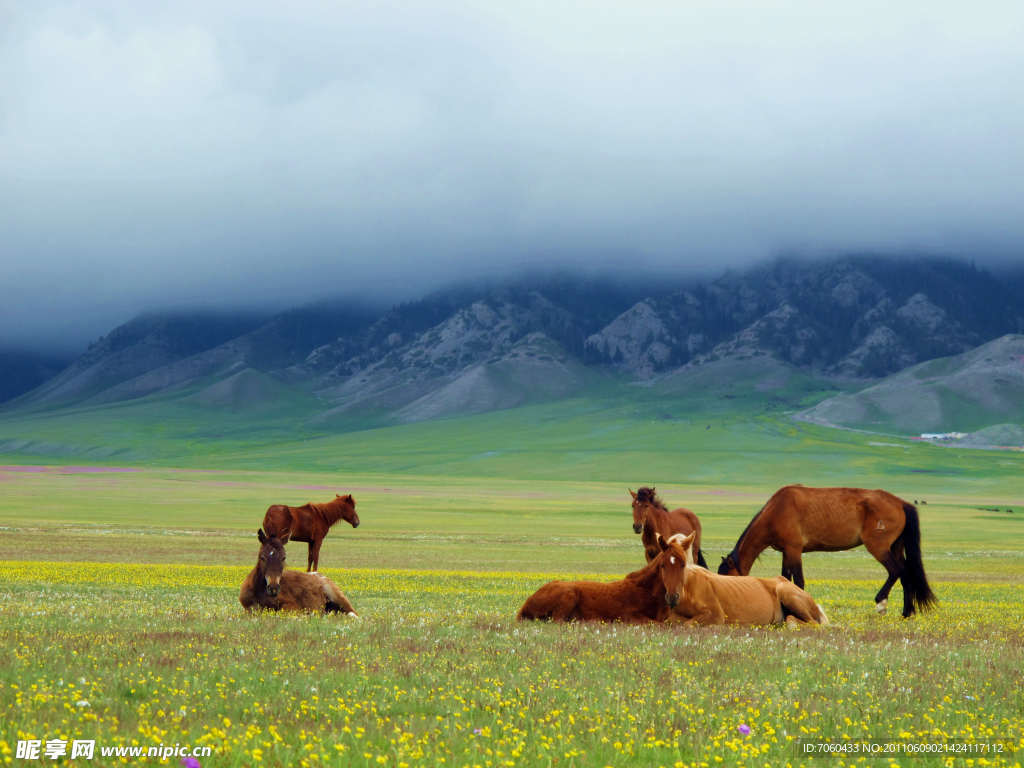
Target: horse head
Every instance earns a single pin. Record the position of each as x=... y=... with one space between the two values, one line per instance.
x=641 y=506
x=272 y=559
x=729 y=566
x=348 y=513
x=676 y=557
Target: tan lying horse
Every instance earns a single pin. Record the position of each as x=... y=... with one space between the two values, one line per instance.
x=699 y=597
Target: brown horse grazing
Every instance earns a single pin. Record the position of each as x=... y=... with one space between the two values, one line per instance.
x=797 y=520
x=651 y=518
x=310 y=522
x=269 y=586
x=699 y=597
x=637 y=599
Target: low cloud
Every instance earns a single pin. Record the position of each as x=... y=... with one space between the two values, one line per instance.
x=262 y=154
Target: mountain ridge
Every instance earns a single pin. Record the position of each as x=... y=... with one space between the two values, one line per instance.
x=474 y=350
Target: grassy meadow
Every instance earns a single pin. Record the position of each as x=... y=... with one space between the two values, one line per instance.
x=127 y=530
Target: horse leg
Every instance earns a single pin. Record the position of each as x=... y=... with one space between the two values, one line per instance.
x=793 y=566
x=893 y=565
x=309 y=557
x=705 y=618
x=896 y=553
x=700 y=559
x=798 y=605
x=316 y=555
x=566 y=609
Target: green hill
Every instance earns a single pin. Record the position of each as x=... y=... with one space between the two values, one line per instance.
x=963 y=393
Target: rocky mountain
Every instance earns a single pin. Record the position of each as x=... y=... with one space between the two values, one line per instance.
x=144 y=344
x=850 y=317
x=498 y=352
x=471 y=350
x=452 y=352
x=963 y=393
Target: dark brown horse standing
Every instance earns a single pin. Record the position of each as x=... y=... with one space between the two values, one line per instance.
x=651 y=517
x=637 y=599
x=270 y=587
x=310 y=522
x=798 y=519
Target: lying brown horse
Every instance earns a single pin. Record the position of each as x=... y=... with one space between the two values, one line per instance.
x=637 y=599
x=310 y=522
x=651 y=518
x=797 y=520
x=271 y=587
x=699 y=597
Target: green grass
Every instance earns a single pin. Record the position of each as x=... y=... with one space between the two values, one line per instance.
x=639 y=436
x=437 y=674
x=461 y=520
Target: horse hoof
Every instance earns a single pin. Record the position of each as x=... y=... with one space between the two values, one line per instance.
x=353 y=614
x=881 y=607
x=791 y=623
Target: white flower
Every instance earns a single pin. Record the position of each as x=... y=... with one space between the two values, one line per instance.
x=82 y=703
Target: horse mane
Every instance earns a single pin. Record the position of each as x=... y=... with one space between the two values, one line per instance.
x=677 y=541
x=647 y=495
x=736 y=549
x=330 y=512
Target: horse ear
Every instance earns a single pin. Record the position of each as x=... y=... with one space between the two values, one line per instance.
x=350 y=499
x=631 y=493
x=661 y=542
x=688 y=541
x=261 y=536
x=285 y=536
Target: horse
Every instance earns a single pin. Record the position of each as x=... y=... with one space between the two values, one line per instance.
x=270 y=587
x=798 y=519
x=651 y=518
x=310 y=522
x=637 y=599
x=698 y=597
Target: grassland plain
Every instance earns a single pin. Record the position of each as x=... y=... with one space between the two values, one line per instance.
x=438 y=674
x=126 y=536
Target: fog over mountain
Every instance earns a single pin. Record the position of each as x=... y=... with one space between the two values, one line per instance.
x=474 y=349
x=262 y=155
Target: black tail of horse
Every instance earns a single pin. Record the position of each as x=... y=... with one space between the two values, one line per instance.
x=700 y=559
x=924 y=598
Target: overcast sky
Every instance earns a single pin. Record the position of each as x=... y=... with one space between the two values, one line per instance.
x=227 y=154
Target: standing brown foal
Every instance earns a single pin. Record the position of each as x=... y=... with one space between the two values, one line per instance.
x=310 y=522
